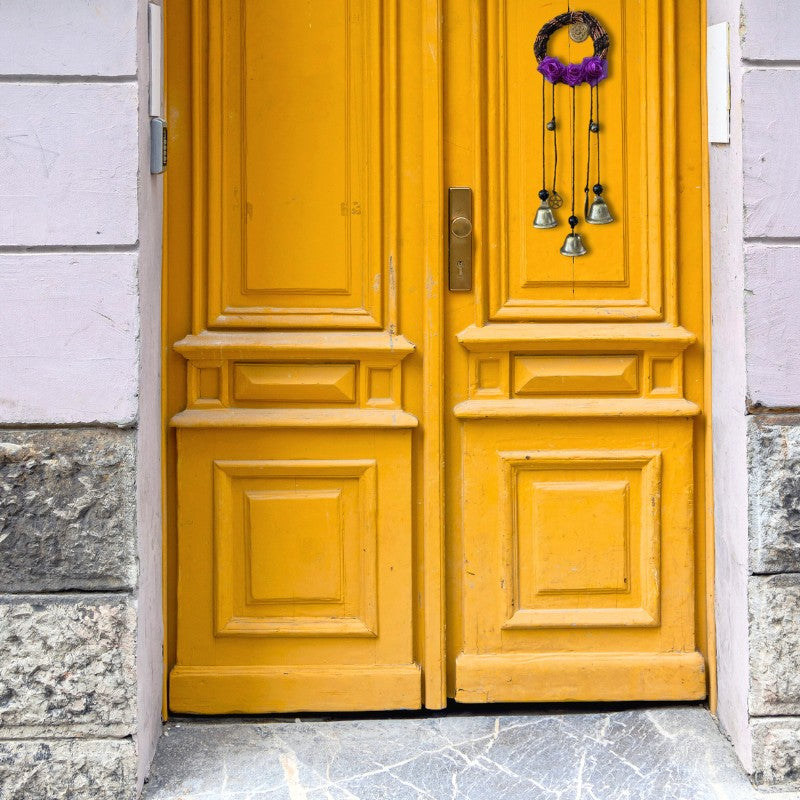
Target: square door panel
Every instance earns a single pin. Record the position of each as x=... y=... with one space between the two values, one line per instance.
x=583 y=534
x=301 y=529
x=295 y=547
x=584 y=551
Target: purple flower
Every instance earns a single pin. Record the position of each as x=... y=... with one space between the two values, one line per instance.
x=595 y=70
x=574 y=75
x=552 y=69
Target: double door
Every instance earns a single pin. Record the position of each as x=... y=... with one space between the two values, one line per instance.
x=398 y=479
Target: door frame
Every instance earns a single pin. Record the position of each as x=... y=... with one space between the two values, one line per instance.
x=181 y=183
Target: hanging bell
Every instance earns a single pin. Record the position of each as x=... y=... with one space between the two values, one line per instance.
x=599 y=213
x=573 y=246
x=545 y=218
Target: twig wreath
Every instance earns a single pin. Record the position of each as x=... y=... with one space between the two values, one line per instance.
x=591 y=71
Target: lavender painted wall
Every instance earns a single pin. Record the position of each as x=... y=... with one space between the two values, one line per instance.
x=728 y=407
x=80 y=260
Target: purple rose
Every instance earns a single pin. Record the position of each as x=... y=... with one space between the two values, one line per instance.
x=574 y=75
x=552 y=69
x=595 y=70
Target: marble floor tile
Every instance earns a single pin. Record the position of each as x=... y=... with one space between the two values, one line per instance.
x=654 y=753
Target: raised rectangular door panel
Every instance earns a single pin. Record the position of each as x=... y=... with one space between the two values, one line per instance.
x=576 y=374
x=574 y=549
x=628 y=273
x=296 y=137
x=294 y=556
x=294 y=383
x=295 y=547
x=584 y=531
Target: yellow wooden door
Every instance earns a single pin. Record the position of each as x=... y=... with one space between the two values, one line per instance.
x=384 y=493
x=574 y=384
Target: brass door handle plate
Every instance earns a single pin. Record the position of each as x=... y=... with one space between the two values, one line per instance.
x=460 y=229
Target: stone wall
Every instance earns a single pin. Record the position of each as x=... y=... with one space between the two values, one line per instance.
x=80 y=632
x=774 y=597
x=755 y=187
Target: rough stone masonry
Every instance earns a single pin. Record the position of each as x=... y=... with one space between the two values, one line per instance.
x=774 y=597
x=67 y=614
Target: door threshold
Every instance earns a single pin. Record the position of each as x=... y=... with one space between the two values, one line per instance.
x=465 y=752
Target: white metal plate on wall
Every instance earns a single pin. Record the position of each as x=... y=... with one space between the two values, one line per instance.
x=156 y=33
x=718 y=81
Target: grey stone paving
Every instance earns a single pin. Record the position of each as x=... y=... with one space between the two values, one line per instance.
x=666 y=753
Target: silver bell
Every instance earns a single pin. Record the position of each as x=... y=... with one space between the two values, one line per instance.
x=599 y=213
x=545 y=218
x=573 y=246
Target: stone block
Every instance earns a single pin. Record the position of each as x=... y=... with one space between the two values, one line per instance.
x=769 y=30
x=776 y=753
x=774 y=492
x=76 y=317
x=67 y=509
x=772 y=286
x=42 y=37
x=69 y=162
x=774 y=605
x=68 y=666
x=771 y=109
x=68 y=770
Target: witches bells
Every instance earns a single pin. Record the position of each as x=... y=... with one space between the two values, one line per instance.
x=573 y=245
x=598 y=213
x=591 y=72
x=545 y=218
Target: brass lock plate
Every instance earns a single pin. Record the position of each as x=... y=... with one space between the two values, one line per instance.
x=460 y=234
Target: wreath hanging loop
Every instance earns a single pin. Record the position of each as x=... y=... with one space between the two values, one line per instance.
x=591 y=70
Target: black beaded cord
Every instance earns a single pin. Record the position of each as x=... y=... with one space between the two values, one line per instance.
x=555 y=200
x=592 y=125
x=594 y=128
x=573 y=220
x=544 y=194
x=598 y=185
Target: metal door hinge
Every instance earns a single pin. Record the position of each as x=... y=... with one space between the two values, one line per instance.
x=158 y=145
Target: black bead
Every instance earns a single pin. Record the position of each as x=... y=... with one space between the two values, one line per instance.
x=594 y=127
x=598 y=189
x=544 y=194
x=551 y=126
x=573 y=221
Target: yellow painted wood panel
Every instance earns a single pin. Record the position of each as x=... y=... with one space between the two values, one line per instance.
x=296 y=163
x=384 y=493
x=295 y=383
x=294 y=552
x=579 y=677
x=621 y=277
x=248 y=690
x=295 y=547
x=580 y=374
